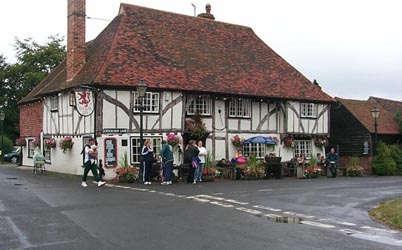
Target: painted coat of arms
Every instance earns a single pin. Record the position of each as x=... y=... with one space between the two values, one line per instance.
x=84 y=102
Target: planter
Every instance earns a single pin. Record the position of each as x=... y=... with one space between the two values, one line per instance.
x=127 y=174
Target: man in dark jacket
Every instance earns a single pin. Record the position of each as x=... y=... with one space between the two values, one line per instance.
x=167 y=162
x=332 y=159
x=190 y=153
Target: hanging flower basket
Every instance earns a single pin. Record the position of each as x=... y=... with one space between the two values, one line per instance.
x=66 y=143
x=321 y=141
x=36 y=142
x=173 y=139
x=237 y=141
x=20 y=142
x=50 y=143
x=288 y=141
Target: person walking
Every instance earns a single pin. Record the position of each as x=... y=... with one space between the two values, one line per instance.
x=202 y=155
x=147 y=161
x=332 y=159
x=167 y=163
x=90 y=157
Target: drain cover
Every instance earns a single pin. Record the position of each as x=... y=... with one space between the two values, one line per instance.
x=12 y=178
x=288 y=219
x=17 y=184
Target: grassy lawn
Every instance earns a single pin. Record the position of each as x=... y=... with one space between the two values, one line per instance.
x=389 y=212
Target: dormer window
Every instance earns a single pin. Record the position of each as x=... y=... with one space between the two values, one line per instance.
x=308 y=110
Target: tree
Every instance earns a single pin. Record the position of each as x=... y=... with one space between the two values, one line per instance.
x=34 y=62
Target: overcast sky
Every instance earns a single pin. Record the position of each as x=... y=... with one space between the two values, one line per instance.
x=352 y=47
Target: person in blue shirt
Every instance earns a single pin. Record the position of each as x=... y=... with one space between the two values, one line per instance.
x=167 y=163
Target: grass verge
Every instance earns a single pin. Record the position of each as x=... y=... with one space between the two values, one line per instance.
x=389 y=213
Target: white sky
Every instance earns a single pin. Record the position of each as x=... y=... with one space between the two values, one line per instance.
x=352 y=47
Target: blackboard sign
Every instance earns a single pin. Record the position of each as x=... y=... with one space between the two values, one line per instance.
x=110 y=152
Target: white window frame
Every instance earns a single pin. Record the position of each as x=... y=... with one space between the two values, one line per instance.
x=135 y=147
x=257 y=149
x=199 y=105
x=240 y=108
x=54 y=103
x=30 y=147
x=308 y=110
x=304 y=147
x=150 y=102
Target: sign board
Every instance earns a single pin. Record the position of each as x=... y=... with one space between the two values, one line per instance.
x=115 y=131
x=84 y=100
x=110 y=148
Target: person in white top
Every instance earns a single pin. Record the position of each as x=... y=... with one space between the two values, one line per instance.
x=202 y=155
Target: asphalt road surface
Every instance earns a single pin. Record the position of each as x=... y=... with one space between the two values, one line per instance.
x=53 y=211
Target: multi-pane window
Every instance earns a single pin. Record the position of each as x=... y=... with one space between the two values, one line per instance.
x=256 y=149
x=136 y=147
x=308 y=110
x=150 y=102
x=240 y=107
x=198 y=105
x=303 y=147
x=54 y=103
x=31 y=148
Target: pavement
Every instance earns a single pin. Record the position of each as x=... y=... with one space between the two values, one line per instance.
x=52 y=211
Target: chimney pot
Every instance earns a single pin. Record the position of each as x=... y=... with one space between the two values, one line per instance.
x=207 y=13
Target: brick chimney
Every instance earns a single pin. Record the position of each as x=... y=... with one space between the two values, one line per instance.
x=207 y=13
x=76 y=54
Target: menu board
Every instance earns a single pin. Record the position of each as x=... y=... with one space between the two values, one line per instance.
x=110 y=152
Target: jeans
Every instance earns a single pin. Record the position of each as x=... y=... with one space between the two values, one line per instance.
x=167 y=171
x=90 y=166
x=198 y=172
x=332 y=170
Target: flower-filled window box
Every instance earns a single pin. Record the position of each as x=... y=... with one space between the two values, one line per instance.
x=50 y=143
x=66 y=143
x=288 y=141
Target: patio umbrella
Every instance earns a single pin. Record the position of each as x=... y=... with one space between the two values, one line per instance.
x=260 y=139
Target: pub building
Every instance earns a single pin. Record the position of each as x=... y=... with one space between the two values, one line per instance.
x=169 y=67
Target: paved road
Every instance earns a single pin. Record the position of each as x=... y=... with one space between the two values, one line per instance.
x=54 y=212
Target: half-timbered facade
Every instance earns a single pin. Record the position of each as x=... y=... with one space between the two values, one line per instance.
x=192 y=66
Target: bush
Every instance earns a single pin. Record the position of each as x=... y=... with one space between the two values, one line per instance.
x=353 y=167
x=383 y=163
x=7 y=145
x=396 y=154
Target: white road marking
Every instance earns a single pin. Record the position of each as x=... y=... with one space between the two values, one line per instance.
x=201 y=200
x=20 y=235
x=222 y=199
x=378 y=238
x=250 y=211
x=379 y=229
x=268 y=208
x=221 y=204
x=317 y=224
x=271 y=216
x=265 y=190
x=347 y=224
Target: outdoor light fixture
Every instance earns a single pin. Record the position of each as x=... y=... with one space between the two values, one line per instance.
x=2 y=115
x=141 y=89
x=375 y=113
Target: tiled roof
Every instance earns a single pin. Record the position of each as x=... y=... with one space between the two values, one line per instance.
x=390 y=105
x=179 y=52
x=362 y=111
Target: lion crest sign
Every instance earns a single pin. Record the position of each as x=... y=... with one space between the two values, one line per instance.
x=84 y=100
